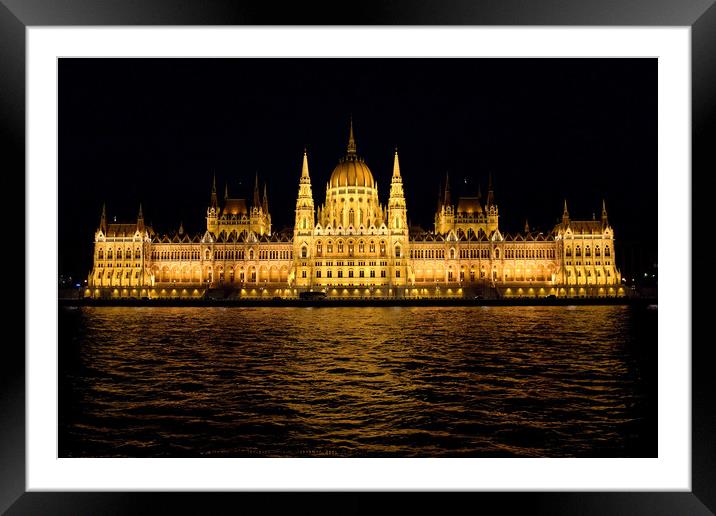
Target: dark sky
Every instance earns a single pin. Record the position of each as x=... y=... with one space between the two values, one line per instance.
x=154 y=130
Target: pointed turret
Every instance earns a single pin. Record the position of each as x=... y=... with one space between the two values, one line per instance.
x=181 y=228
x=490 y=192
x=527 y=227
x=214 y=200
x=103 y=219
x=304 y=202
x=257 y=201
x=605 y=219
x=565 y=214
x=396 y=165
x=446 y=199
x=304 y=167
x=265 y=201
x=351 y=140
x=140 y=218
x=397 y=210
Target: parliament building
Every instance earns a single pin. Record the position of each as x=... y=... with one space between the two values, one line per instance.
x=354 y=246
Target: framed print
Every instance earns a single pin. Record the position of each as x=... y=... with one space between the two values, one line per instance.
x=411 y=251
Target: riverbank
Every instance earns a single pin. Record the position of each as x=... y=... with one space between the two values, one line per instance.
x=585 y=301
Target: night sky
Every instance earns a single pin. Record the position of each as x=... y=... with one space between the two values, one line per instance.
x=155 y=130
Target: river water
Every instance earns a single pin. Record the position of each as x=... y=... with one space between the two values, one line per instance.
x=356 y=381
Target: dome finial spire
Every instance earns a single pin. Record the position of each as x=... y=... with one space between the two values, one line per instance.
x=351 y=139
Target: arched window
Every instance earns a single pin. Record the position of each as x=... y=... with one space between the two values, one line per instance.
x=206 y=254
x=587 y=252
x=100 y=254
x=351 y=217
x=578 y=252
x=319 y=248
x=597 y=252
x=372 y=246
x=569 y=251
x=340 y=246
x=119 y=254
x=607 y=252
x=452 y=253
x=304 y=252
x=361 y=247
x=329 y=247
x=397 y=251
x=382 y=247
x=497 y=254
x=350 y=248
x=251 y=254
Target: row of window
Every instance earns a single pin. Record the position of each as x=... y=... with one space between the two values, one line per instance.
x=118 y=255
x=339 y=273
x=529 y=253
x=430 y=253
x=351 y=248
x=223 y=254
x=589 y=274
x=108 y=274
x=587 y=251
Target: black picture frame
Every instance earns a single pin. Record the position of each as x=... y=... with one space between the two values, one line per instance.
x=17 y=15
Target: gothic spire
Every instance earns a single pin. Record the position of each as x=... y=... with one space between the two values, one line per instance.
x=490 y=192
x=605 y=220
x=265 y=203
x=396 y=165
x=140 y=218
x=257 y=201
x=214 y=200
x=446 y=200
x=565 y=214
x=527 y=227
x=103 y=219
x=351 y=141
x=304 y=168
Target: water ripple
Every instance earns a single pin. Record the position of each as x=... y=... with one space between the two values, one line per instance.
x=411 y=381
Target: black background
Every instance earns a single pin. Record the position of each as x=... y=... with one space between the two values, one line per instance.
x=155 y=130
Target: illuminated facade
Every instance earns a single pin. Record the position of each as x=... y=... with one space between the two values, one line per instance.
x=352 y=245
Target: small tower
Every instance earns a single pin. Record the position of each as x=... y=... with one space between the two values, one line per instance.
x=257 y=203
x=140 y=219
x=264 y=204
x=351 y=150
x=303 y=227
x=605 y=219
x=304 y=203
x=493 y=213
x=103 y=220
x=212 y=212
x=565 y=215
x=445 y=217
x=446 y=200
x=397 y=210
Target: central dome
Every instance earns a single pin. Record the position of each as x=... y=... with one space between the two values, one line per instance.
x=351 y=170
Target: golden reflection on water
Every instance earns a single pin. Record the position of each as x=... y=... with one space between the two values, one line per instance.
x=443 y=381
